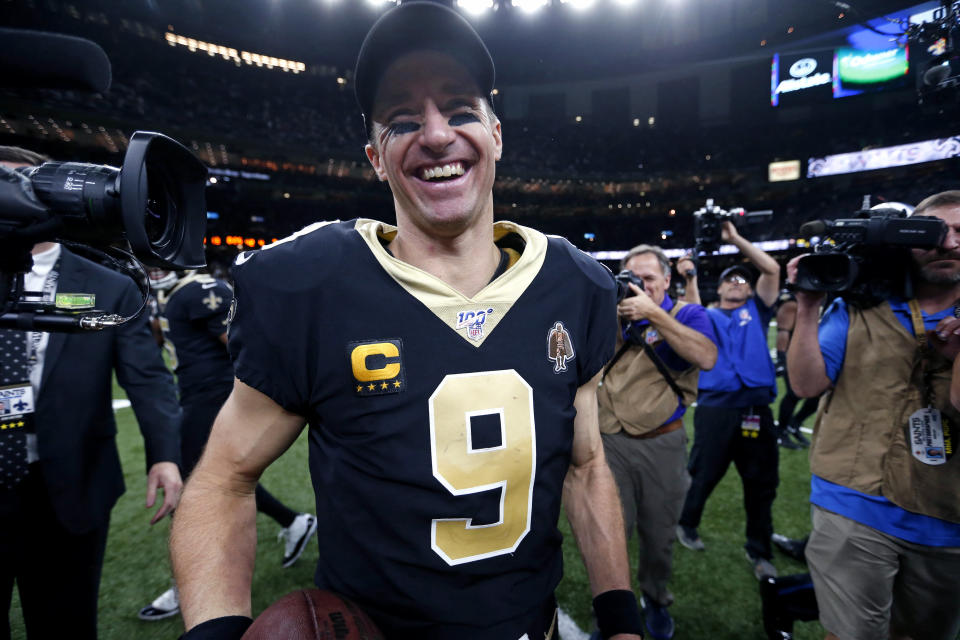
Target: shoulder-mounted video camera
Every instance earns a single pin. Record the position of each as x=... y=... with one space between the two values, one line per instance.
x=155 y=201
x=708 y=223
x=867 y=257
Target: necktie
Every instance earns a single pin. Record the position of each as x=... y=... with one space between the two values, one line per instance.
x=13 y=437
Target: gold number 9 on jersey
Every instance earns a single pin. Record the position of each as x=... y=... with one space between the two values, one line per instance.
x=508 y=468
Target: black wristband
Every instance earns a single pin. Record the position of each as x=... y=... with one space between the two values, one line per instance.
x=617 y=612
x=225 y=628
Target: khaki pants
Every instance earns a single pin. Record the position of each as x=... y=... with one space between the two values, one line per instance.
x=652 y=477
x=868 y=582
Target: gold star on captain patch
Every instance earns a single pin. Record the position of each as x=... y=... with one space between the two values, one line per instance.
x=372 y=386
x=20 y=424
x=396 y=384
x=359 y=388
x=384 y=385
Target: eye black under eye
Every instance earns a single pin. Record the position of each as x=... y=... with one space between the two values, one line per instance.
x=463 y=118
x=399 y=128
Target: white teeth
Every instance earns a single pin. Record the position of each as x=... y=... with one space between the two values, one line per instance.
x=444 y=171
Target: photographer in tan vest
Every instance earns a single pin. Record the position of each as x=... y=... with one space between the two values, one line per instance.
x=641 y=418
x=885 y=549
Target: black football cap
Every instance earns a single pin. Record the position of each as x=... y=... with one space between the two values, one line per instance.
x=418 y=25
x=740 y=269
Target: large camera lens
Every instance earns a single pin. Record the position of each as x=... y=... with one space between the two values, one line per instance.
x=156 y=200
x=162 y=192
x=827 y=272
x=83 y=195
x=160 y=211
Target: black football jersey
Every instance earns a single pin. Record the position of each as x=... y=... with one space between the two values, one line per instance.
x=440 y=425
x=193 y=316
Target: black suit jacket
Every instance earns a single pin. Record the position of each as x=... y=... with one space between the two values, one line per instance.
x=75 y=425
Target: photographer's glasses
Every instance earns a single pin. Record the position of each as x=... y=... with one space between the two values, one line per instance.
x=736 y=279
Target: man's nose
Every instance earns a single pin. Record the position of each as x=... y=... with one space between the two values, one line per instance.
x=437 y=134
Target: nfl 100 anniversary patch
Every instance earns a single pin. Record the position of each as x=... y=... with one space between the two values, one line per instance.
x=377 y=366
x=473 y=322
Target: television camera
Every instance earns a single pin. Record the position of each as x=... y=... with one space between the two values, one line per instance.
x=708 y=223
x=866 y=257
x=154 y=201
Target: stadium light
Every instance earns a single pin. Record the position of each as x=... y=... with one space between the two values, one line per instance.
x=579 y=4
x=529 y=6
x=475 y=7
x=626 y=3
x=380 y=3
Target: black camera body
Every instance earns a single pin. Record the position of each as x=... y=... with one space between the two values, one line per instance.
x=708 y=223
x=624 y=279
x=155 y=201
x=867 y=257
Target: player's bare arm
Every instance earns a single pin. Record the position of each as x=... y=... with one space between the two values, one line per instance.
x=213 y=540
x=592 y=503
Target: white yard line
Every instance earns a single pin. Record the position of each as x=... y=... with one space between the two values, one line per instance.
x=568 y=628
x=120 y=404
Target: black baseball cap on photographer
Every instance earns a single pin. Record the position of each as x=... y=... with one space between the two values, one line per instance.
x=417 y=26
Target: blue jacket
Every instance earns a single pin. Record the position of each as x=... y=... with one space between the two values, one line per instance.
x=743 y=358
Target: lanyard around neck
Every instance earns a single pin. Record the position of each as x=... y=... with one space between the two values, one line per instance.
x=919 y=331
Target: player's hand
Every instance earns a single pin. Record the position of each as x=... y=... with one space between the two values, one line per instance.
x=945 y=338
x=687 y=268
x=165 y=476
x=728 y=232
x=639 y=306
x=804 y=298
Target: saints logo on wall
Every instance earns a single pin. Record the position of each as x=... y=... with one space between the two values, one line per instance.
x=559 y=347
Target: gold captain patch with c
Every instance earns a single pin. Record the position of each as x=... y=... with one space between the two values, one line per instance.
x=377 y=367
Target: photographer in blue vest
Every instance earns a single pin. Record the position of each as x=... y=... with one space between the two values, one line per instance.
x=884 y=551
x=733 y=421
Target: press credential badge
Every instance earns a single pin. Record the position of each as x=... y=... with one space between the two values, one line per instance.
x=927 y=441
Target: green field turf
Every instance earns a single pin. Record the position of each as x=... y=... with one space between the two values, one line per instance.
x=717 y=596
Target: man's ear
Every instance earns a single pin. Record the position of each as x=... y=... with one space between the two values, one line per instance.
x=498 y=138
x=374 y=157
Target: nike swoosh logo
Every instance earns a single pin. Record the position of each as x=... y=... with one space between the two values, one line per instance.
x=243 y=257
x=210 y=285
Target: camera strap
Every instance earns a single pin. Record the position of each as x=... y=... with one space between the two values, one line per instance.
x=654 y=357
x=662 y=368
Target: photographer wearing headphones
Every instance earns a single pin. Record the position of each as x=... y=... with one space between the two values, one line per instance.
x=645 y=392
x=885 y=549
